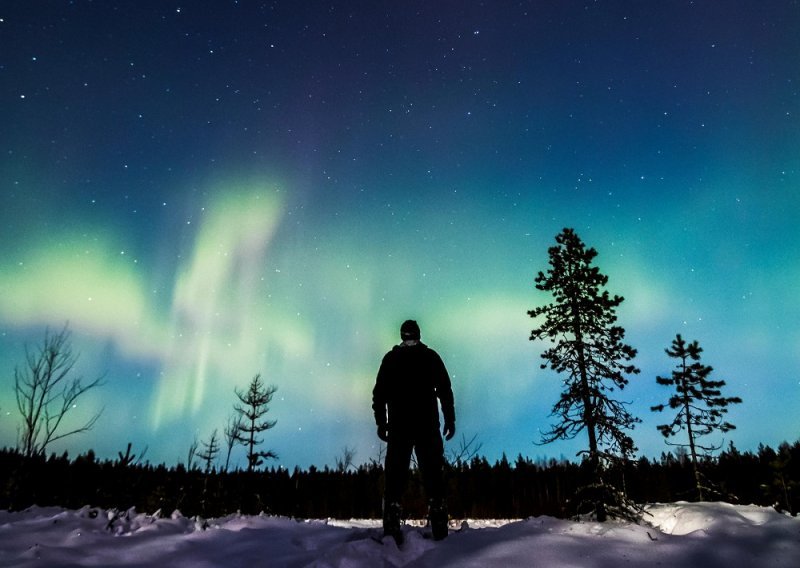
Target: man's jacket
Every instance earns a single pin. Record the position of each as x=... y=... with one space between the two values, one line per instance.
x=410 y=380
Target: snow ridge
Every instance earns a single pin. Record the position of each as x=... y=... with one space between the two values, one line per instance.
x=711 y=535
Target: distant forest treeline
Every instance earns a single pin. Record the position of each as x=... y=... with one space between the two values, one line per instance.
x=477 y=489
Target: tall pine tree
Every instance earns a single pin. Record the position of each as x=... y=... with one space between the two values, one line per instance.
x=254 y=406
x=588 y=349
x=698 y=400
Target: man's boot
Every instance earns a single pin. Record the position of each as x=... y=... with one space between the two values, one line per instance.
x=392 y=516
x=437 y=516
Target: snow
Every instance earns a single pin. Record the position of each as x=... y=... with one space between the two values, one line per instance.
x=708 y=535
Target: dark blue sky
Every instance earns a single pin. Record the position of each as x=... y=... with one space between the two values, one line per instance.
x=206 y=193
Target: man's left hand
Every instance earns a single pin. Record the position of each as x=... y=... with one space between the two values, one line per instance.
x=449 y=431
x=383 y=432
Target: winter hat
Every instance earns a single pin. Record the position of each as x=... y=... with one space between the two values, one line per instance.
x=409 y=330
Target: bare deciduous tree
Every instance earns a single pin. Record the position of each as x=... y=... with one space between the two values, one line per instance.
x=379 y=458
x=46 y=392
x=346 y=460
x=129 y=458
x=467 y=449
x=232 y=428
x=192 y=454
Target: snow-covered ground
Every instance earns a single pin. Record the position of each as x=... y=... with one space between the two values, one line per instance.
x=707 y=535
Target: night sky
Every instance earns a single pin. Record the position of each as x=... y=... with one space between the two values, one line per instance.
x=206 y=191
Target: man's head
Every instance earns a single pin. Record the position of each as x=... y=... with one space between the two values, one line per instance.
x=409 y=331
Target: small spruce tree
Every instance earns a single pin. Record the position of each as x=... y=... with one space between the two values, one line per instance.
x=698 y=401
x=254 y=406
x=587 y=347
x=209 y=452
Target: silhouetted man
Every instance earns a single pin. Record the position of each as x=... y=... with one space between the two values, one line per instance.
x=411 y=382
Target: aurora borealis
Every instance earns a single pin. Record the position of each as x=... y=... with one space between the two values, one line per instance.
x=207 y=193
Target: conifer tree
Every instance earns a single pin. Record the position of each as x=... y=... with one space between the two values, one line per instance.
x=588 y=349
x=209 y=452
x=254 y=406
x=698 y=401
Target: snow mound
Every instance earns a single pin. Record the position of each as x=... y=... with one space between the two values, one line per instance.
x=686 y=518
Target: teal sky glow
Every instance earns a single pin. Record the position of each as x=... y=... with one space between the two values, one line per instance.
x=207 y=194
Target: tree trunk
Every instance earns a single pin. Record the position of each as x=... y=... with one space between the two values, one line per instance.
x=692 y=447
x=589 y=418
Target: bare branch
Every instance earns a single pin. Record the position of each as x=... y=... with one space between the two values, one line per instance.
x=466 y=451
x=45 y=394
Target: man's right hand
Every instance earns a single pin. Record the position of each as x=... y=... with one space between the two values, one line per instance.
x=383 y=433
